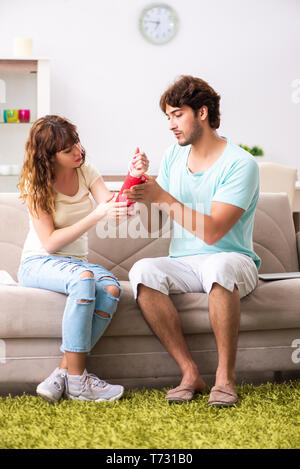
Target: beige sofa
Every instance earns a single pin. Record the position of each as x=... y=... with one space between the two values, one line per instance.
x=30 y=319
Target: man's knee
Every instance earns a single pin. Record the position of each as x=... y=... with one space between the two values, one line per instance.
x=217 y=289
x=141 y=289
x=218 y=274
x=146 y=271
x=140 y=267
x=143 y=292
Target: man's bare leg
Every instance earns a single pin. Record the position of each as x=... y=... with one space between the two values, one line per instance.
x=163 y=318
x=224 y=309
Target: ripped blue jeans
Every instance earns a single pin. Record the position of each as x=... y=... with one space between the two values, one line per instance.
x=82 y=326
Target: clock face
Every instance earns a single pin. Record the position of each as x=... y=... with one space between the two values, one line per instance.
x=158 y=23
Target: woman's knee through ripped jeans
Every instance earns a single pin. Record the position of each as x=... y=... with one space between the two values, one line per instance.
x=90 y=305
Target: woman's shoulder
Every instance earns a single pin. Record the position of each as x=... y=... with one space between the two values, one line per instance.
x=89 y=172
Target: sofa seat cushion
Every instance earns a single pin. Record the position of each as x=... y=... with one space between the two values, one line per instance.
x=36 y=313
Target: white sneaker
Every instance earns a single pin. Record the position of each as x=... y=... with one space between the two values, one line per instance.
x=52 y=388
x=89 y=387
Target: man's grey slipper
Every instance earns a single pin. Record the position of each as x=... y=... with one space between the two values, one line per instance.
x=181 y=394
x=223 y=396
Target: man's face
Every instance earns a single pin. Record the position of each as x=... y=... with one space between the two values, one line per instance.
x=184 y=124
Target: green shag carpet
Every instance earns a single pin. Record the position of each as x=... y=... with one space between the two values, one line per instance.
x=267 y=416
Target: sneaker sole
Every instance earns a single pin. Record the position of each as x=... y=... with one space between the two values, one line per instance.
x=84 y=399
x=47 y=396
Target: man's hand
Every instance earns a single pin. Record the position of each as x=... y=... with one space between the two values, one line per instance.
x=149 y=192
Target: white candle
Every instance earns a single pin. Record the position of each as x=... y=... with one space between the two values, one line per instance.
x=22 y=47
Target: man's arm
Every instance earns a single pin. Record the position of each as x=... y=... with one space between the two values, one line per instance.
x=151 y=220
x=210 y=228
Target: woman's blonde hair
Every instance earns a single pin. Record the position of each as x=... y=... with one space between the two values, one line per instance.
x=48 y=136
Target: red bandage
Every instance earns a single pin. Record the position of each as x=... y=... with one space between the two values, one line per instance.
x=128 y=183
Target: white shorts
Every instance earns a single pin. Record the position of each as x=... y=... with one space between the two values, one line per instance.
x=195 y=274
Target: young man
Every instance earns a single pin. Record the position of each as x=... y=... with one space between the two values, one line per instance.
x=211 y=249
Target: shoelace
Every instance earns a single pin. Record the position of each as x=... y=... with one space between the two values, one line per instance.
x=91 y=379
x=56 y=384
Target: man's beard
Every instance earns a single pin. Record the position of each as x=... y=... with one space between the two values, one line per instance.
x=196 y=133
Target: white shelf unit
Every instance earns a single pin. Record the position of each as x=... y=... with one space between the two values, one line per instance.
x=24 y=84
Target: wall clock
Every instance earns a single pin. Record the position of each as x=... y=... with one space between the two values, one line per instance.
x=158 y=23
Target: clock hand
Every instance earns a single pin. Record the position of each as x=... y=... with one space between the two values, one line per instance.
x=156 y=22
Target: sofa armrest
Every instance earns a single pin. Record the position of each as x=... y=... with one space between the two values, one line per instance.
x=298 y=245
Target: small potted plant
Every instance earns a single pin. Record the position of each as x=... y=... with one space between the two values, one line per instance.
x=255 y=151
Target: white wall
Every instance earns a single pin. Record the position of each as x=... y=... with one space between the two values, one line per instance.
x=108 y=80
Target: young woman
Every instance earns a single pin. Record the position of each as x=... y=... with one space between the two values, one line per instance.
x=56 y=183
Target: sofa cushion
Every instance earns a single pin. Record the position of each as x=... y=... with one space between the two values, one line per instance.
x=13 y=230
x=29 y=312
x=274 y=237
x=273 y=216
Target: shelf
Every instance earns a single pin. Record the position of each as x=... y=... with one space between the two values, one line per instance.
x=23 y=59
x=15 y=65
x=26 y=86
x=16 y=123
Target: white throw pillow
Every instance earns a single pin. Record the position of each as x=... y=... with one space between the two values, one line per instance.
x=6 y=278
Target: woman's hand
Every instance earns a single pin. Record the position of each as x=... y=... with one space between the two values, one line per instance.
x=114 y=211
x=139 y=164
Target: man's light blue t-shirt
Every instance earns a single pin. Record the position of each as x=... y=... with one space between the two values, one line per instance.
x=233 y=179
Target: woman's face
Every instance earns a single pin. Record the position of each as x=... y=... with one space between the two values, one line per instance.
x=70 y=157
